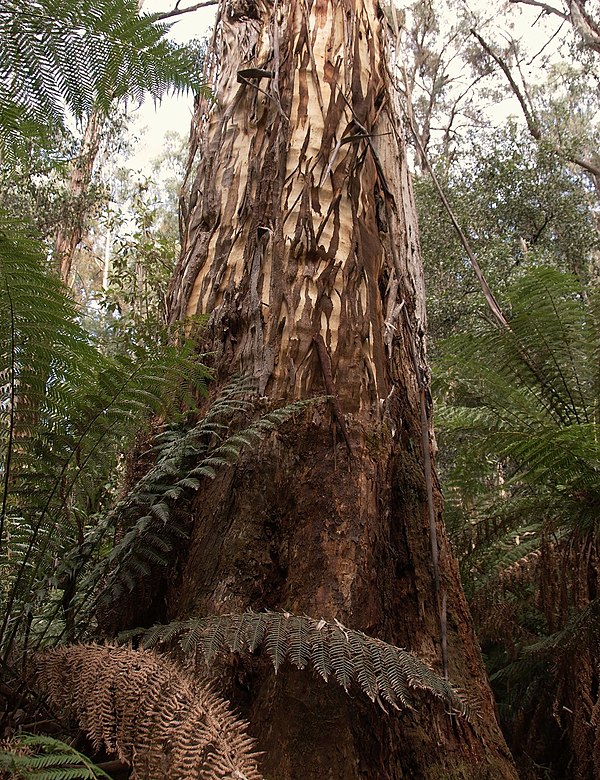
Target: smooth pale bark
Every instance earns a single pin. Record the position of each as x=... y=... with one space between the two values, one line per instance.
x=70 y=231
x=300 y=242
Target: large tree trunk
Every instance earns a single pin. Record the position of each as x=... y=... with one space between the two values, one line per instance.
x=300 y=242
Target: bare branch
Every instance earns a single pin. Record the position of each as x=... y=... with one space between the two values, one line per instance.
x=532 y=125
x=544 y=6
x=493 y=305
x=527 y=113
x=587 y=27
x=547 y=43
x=177 y=11
x=594 y=170
x=582 y=22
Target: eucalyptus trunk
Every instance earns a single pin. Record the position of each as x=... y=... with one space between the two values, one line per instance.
x=69 y=232
x=300 y=243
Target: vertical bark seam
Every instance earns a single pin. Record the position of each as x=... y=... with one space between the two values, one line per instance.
x=325 y=361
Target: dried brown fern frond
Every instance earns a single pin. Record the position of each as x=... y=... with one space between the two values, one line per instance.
x=141 y=707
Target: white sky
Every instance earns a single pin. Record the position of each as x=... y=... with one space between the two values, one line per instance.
x=173 y=114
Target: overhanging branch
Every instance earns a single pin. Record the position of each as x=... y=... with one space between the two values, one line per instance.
x=544 y=6
x=179 y=11
x=527 y=112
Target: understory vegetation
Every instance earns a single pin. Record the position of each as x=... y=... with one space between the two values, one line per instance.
x=110 y=423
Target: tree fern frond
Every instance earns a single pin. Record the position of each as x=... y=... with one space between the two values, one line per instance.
x=519 y=413
x=276 y=640
x=581 y=627
x=319 y=648
x=78 y=56
x=67 y=413
x=342 y=658
x=379 y=668
x=528 y=397
x=299 y=642
x=182 y=459
x=45 y=758
x=367 y=663
x=147 y=711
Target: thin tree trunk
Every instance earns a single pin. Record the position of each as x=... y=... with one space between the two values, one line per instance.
x=70 y=231
x=300 y=241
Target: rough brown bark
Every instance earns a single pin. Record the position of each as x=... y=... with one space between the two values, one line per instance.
x=300 y=242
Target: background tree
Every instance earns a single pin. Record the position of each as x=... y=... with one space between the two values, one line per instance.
x=137 y=245
x=526 y=199
x=521 y=207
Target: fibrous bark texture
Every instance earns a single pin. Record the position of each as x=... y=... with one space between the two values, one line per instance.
x=300 y=243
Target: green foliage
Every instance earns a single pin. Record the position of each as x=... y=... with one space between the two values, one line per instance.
x=521 y=406
x=518 y=419
x=529 y=395
x=144 y=251
x=33 y=187
x=521 y=208
x=68 y=413
x=44 y=758
x=384 y=672
x=183 y=457
x=62 y=55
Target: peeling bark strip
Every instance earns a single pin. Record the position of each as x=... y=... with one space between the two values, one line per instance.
x=300 y=243
x=285 y=230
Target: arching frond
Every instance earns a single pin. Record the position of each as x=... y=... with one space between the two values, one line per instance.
x=519 y=413
x=528 y=397
x=72 y=55
x=68 y=412
x=383 y=671
x=183 y=457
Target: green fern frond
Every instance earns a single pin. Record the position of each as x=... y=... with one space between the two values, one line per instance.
x=581 y=627
x=519 y=413
x=528 y=397
x=67 y=412
x=380 y=669
x=75 y=56
x=183 y=458
x=30 y=757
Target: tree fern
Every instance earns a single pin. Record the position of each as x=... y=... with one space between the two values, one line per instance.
x=68 y=411
x=75 y=55
x=528 y=399
x=519 y=413
x=382 y=671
